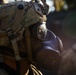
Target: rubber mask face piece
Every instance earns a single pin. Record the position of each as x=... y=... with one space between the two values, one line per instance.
x=48 y=55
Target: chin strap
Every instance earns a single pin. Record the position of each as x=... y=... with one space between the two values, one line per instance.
x=28 y=43
x=13 y=41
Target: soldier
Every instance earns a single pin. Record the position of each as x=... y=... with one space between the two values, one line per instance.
x=25 y=41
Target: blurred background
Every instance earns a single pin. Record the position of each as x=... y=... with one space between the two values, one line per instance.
x=54 y=5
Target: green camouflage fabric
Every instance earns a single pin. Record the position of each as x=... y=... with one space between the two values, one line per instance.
x=10 y=12
x=17 y=19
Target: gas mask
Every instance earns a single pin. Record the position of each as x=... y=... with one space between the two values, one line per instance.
x=48 y=54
